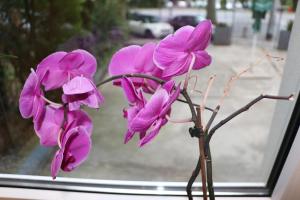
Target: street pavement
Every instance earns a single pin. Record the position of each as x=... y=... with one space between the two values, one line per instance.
x=237 y=148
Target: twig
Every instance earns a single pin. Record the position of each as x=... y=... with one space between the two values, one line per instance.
x=241 y=110
x=196 y=105
x=234 y=78
x=210 y=182
x=195 y=83
x=190 y=103
x=212 y=118
x=192 y=179
x=202 y=105
x=202 y=152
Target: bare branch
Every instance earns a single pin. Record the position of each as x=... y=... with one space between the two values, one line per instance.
x=190 y=103
x=202 y=105
x=241 y=110
x=213 y=116
x=229 y=84
x=196 y=105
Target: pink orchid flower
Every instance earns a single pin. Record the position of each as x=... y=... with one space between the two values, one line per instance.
x=79 y=118
x=74 y=142
x=148 y=117
x=136 y=101
x=75 y=147
x=81 y=91
x=58 y=68
x=48 y=126
x=31 y=102
x=175 y=53
x=136 y=59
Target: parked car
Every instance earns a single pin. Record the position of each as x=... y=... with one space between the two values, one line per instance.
x=148 y=25
x=183 y=20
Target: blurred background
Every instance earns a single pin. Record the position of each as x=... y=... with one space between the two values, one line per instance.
x=244 y=32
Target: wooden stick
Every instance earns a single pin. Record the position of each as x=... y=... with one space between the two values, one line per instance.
x=202 y=153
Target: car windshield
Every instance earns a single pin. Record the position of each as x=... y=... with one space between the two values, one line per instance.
x=149 y=19
x=199 y=18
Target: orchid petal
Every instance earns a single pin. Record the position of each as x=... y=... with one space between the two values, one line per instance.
x=77 y=145
x=122 y=62
x=148 y=137
x=202 y=59
x=56 y=163
x=129 y=90
x=30 y=97
x=78 y=85
x=200 y=37
x=172 y=99
x=89 y=67
x=144 y=58
x=72 y=60
x=128 y=136
x=168 y=86
x=48 y=125
x=79 y=118
x=49 y=63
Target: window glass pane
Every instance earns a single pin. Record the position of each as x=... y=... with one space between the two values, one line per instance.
x=243 y=150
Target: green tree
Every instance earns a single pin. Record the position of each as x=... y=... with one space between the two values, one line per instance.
x=146 y=3
x=211 y=11
x=29 y=30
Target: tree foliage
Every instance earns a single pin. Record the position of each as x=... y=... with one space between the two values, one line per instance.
x=146 y=3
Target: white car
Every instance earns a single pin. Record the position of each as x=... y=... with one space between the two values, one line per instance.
x=148 y=25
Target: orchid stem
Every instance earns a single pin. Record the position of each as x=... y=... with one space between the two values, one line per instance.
x=158 y=80
x=196 y=105
x=210 y=183
x=51 y=102
x=192 y=179
x=202 y=153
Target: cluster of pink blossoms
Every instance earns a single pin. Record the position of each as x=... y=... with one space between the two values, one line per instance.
x=69 y=127
x=175 y=55
x=65 y=125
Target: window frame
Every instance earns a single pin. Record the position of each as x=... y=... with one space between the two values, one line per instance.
x=163 y=188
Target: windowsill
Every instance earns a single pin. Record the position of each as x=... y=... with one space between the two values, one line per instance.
x=20 y=193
